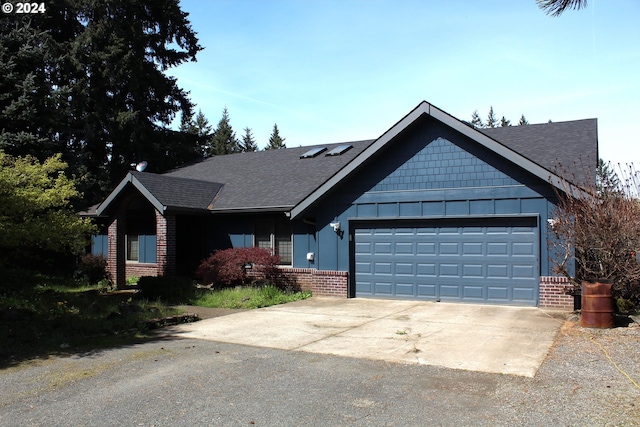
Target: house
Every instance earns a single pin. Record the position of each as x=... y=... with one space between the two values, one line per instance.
x=433 y=209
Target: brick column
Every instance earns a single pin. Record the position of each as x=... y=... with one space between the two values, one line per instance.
x=553 y=293
x=116 y=250
x=166 y=244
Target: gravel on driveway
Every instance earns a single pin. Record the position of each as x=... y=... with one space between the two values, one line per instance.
x=590 y=377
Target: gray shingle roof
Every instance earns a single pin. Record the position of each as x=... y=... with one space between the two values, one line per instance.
x=280 y=180
x=271 y=179
x=179 y=193
x=569 y=149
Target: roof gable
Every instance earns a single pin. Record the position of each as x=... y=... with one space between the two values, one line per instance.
x=484 y=139
x=166 y=192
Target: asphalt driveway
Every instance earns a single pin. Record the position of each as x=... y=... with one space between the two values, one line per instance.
x=507 y=340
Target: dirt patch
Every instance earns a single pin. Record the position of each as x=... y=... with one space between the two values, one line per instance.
x=209 y=313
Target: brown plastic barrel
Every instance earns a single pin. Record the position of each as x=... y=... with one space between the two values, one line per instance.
x=597 y=305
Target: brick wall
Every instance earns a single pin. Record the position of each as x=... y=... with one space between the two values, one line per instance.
x=319 y=282
x=165 y=244
x=553 y=293
x=141 y=269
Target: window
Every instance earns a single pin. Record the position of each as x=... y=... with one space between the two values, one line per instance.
x=141 y=237
x=141 y=248
x=133 y=248
x=275 y=235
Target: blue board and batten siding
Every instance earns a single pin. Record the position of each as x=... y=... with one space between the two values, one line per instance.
x=427 y=175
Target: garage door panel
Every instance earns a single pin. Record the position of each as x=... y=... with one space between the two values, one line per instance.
x=473 y=292
x=364 y=287
x=363 y=248
x=426 y=248
x=472 y=260
x=522 y=249
x=473 y=248
x=449 y=270
x=405 y=269
x=472 y=270
x=426 y=290
x=404 y=248
x=383 y=288
x=382 y=268
x=363 y=267
x=449 y=291
x=448 y=248
x=405 y=289
x=381 y=248
x=522 y=271
x=426 y=270
x=497 y=293
x=523 y=293
x=497 y=271
x=497 y=249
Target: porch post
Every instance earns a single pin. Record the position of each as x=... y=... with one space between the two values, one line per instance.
x=116 y=249
x=166 y=244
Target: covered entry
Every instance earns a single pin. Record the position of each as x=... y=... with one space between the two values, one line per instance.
x=485 y=260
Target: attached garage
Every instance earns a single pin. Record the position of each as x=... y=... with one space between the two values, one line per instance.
x=485 y=260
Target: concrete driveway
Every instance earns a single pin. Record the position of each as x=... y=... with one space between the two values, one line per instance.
x=507 y=340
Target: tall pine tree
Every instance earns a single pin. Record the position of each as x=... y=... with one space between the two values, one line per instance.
x=523 y=121
x=91 y=74
x=275 y=140
x=202 y=130
x=492 y=121
x=248 y=142
x=476 y=120
x=224 y=139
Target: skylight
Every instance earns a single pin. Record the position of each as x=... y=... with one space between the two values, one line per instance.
x=340 y=149
x=313 y=152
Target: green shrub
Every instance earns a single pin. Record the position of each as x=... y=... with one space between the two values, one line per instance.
x=166 y=288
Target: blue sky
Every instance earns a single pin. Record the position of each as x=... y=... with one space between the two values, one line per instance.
x=341 y=70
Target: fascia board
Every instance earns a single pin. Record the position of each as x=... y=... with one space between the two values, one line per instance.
x=147 y=195
x=129 y=179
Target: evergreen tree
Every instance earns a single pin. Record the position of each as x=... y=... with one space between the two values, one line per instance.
x=607 y=180
x=275 y=140
x=476 y=120
x=523 y=121
x=504 y=122
x=248 y=142
x=202 y=130
x=492 y=121
x=87 y=79
x=224 y=139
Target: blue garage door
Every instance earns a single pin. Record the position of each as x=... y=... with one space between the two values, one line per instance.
x=486 y=260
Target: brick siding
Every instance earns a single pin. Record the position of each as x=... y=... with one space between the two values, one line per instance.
x=553 y=293
x=319 y=282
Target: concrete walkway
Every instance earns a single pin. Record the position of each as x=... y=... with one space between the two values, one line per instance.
x=507 y=340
